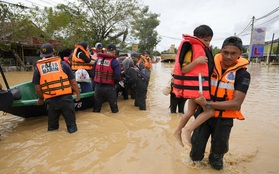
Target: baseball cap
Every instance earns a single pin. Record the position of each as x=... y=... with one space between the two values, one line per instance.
x=111 y=47
x=135 y=55
x=83 y=44
x=147 y=52
x=233 y=41
x=46 y=50
x=98 y=45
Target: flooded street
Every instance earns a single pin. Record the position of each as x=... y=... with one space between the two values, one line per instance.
x=141 y=142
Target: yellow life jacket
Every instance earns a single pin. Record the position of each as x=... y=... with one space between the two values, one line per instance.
x=78 y=63
x=53 y=81
x=222 y=86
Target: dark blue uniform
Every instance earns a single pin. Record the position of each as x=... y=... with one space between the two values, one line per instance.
x=60 y=105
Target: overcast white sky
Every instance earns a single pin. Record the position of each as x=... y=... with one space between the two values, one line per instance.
x=225 y=17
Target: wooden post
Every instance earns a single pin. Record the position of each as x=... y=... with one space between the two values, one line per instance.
x=270 y=51
x=251 y=39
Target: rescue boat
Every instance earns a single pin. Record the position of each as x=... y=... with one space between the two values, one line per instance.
x=21 y=100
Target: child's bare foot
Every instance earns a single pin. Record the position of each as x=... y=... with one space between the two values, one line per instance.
x=188 y=137
x=177 y=135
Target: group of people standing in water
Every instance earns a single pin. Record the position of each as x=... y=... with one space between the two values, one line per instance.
x=87 y=69
x=215 y=87
x=113 y=75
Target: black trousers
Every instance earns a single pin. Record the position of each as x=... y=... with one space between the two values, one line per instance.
x=104 y=93
x=219 y=129
x=61 y=105
x=177 y=102
x=140 y=94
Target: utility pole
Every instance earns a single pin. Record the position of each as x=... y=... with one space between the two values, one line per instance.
x=270 y=51
x=251 y=38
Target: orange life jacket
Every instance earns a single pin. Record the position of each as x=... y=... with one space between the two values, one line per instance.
x=147 y=62
x=104 y=73
x=53 y=81
x=222 y=86
x=187 y=85
x=78 y=63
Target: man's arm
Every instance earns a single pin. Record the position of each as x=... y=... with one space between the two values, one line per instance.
x=72 y=79
x=74 y=85
x=38 y=89
x=116 y=68
x=242 y=82
x=39 y=92
x=89 y=60
x=234 y=104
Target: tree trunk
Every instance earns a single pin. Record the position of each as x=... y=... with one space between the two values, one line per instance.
x=19 y=60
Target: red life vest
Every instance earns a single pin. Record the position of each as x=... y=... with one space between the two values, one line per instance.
x=104 y=74
x=187 y=85
x=53 y=81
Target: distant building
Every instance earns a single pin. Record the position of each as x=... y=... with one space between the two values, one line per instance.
x=23 y=52
x=172 y=49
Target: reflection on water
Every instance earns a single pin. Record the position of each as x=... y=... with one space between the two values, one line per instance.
x=134 y=141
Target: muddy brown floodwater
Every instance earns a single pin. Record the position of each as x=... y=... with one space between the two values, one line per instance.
x=141 y=142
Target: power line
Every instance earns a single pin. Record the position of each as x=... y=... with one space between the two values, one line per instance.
x=174 y=38
x=48 y=2
x=37 y=4
x=243 y=32
x=268 y=20
x=17 y=5
x=246 y=34
x=246 y=28
x=268 y=14
x=32 y=3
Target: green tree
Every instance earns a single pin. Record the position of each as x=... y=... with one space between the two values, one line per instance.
x=15 y=28
x=215 y=50
x=109 y=21
x=244 y=49
x=14 y=25
x=103 y=21
x=275 y=49
x=63 y=23
x=144 y=29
